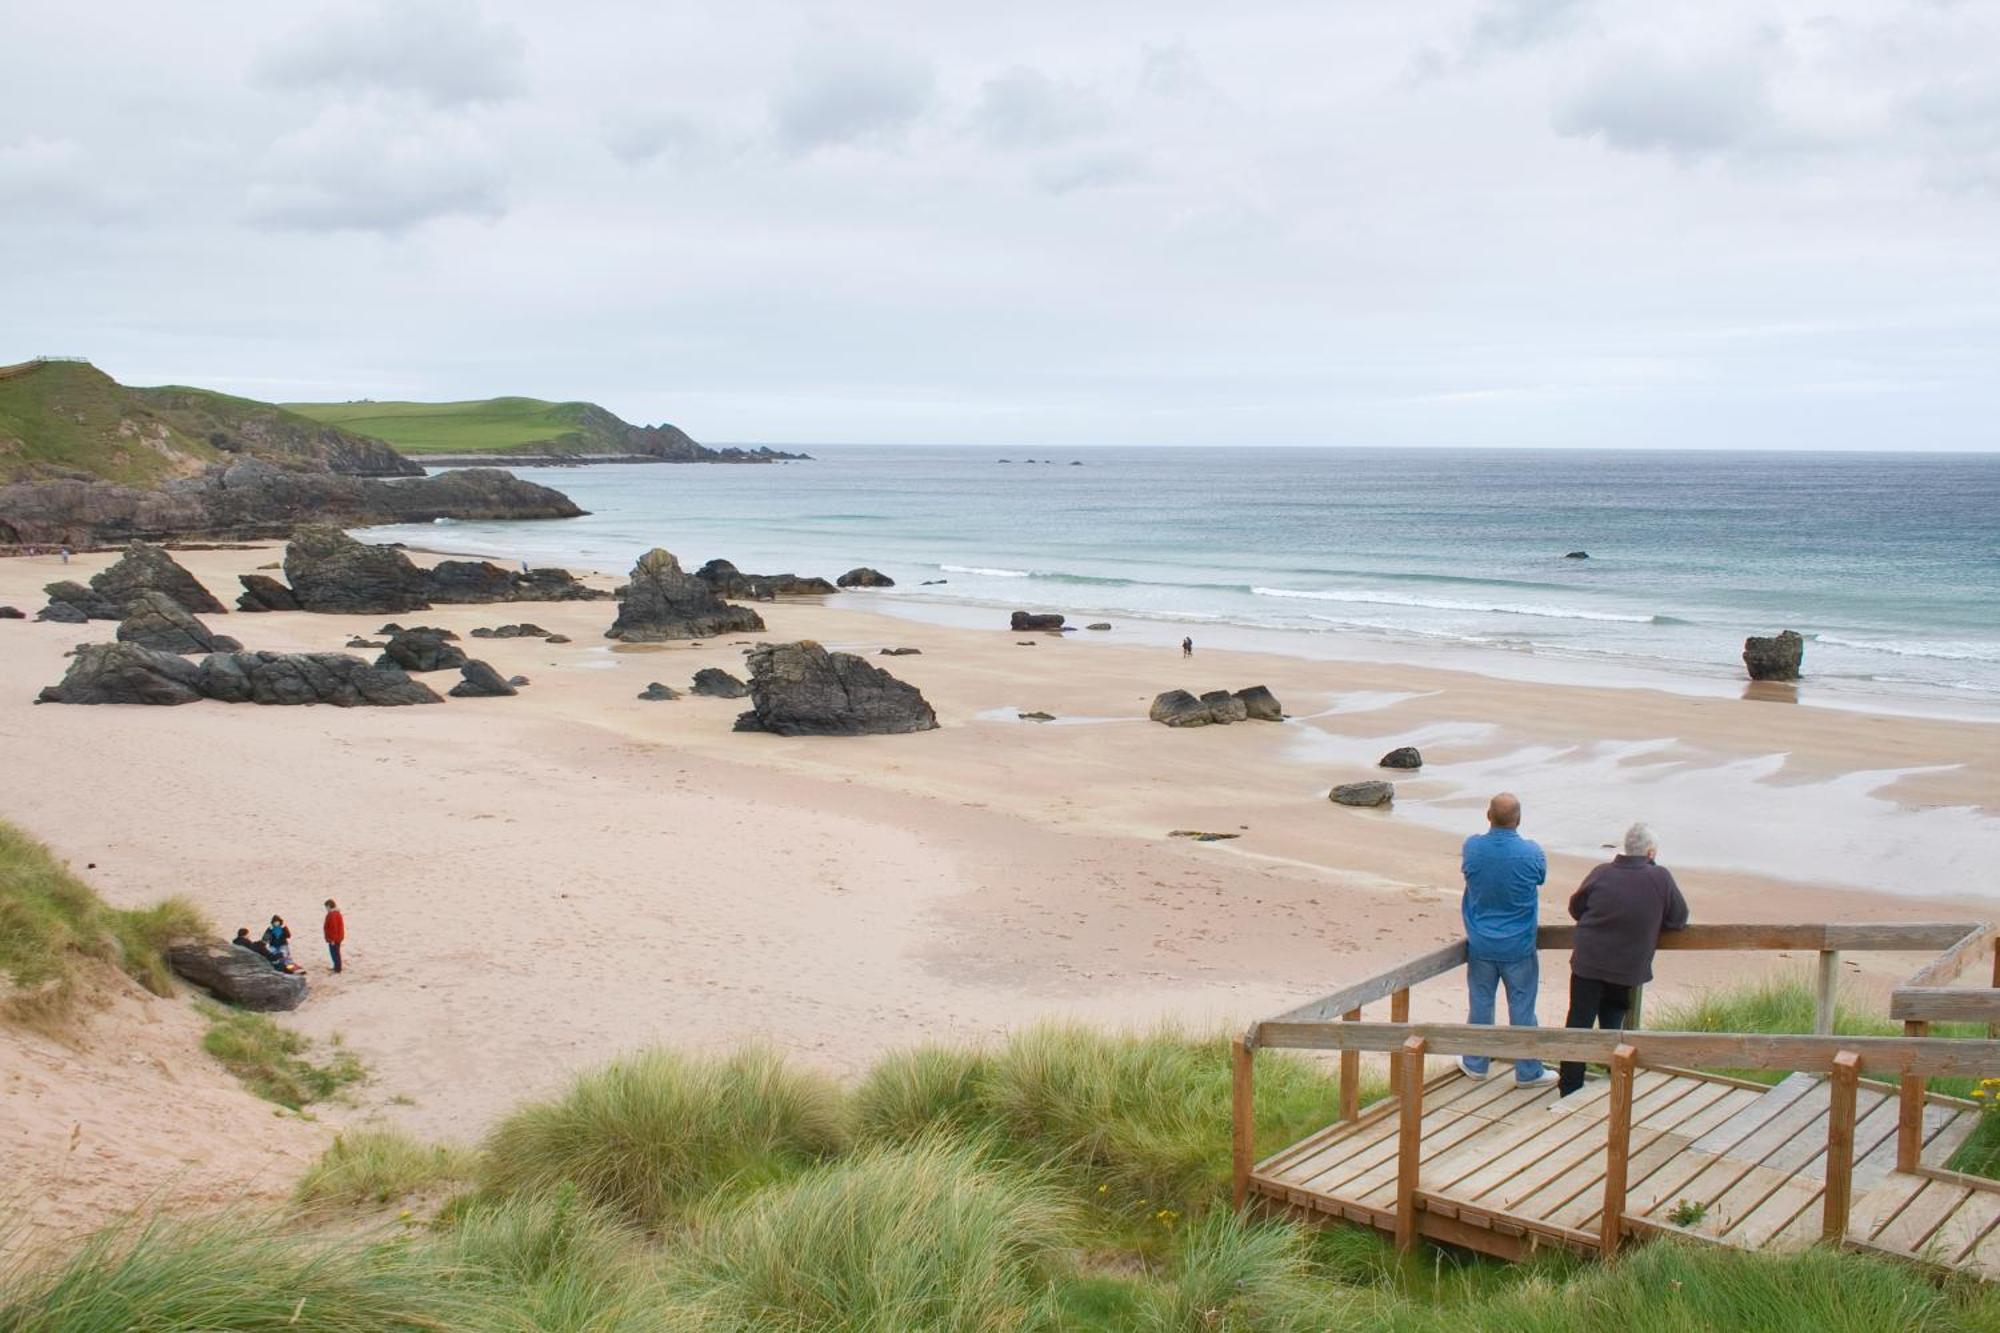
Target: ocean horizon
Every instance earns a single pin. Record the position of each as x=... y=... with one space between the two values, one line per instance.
x=1889 y=564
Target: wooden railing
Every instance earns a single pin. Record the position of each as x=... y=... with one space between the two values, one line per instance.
x=1334 y=1022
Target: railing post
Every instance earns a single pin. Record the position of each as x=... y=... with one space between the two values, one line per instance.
x=1399 y=1012
x=1350 y=1076
x=1636 y=1011
x=1242 y=1118
x=1993 y=1029
x=1617 y=1150
x=1827 y=992
x=1910 y=1118
x=1409 y=1143
x=1840 y=1146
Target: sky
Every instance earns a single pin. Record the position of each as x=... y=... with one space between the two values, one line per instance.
x=1560 y=223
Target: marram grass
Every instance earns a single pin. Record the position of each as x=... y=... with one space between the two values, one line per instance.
x=377 y=1166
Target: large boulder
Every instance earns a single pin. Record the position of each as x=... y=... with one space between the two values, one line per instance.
x=330 y=571
x=801 y=689
x=148 y=568
x=718 y=684
x=1023 y=621
x=1260 y=704
x=1365 y=794
x=1403 y=756
x=865 y=577
x=308 y=678
x=261 y=592
x=125 y=673
x=462 y=582
x=420 y=650
x=1776 y=658
x=729 y=581
x=72 y=604
x=1224 y=707
x=155 y=620
x=1178 y=708
x=663 y=601
x=482 y=682
x=243 y=978
x=11 y=613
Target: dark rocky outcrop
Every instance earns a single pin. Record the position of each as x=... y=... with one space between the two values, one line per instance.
x=125 y=673
x=145 y=567
x=1776 y=658
x=1576 y=555
x=155 y=620
x=1260 y=705
x=244 y=979
x=664 y=602
x=11 y=613
x=358 y=642
x=261 y=592
x=420 y=650
x=1403 y=756
x=1037 y=716
x=72 y=604
x=899 y=652
x=524 y=630
x=658 y=693
x=331 y=572
x=1225 y=708
x=718 y=684
x=801 y=689
x=1366 y=794
x=482 y=682
x=257 y=498
x=728 y=581
x=308 y=678
x=1023 y=621
x=392 y=628
x=865 y=577
x=461 y=582
x=1100 y=625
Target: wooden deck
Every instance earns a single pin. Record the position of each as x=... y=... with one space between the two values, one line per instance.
x=1503 y=1172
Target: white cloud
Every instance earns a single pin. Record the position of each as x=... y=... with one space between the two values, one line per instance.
x=841 y=93
x=1644 y=101
x=368 y=168
x=1025 y=108
x=1091 y=170
x=444 y=52
x=639 y=135
x=1505 y=26
x=54 y=180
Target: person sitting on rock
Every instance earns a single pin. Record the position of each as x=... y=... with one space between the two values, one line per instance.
x=258 y=947
x=278 y=941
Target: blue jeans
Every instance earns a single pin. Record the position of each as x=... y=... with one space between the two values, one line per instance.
x=1523 y=978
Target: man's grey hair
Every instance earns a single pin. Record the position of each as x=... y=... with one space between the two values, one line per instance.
x=1639 y=841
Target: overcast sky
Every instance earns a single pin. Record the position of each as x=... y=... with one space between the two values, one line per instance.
x=1498 y=222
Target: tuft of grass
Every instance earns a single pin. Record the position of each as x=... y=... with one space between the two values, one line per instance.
x=555 y=1264
x=273 y=1061
x=649 y=1135
x=375 y=1166
x=917 y=1093
x=53 y=927
x=934 y=1236
x=1233 y=1273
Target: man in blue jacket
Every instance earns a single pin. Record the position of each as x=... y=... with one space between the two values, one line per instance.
x=1503 y=878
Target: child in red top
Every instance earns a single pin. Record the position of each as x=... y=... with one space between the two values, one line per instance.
x=335 y=931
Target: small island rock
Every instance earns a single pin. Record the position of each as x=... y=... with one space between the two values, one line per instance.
x=801 y=689
x=1365 y=794
x=663 y=601
x=865 y=577
x=1403 y=756
x=1776 y=658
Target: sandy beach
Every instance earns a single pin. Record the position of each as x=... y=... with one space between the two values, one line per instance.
x=537 y=883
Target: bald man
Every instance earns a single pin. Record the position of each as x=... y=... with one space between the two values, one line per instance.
x=1504 y=873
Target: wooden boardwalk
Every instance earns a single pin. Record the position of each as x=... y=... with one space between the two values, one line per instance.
x=1502 y=1170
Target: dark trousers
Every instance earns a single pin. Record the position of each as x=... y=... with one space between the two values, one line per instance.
x=334 y=949
x=1592 y=1004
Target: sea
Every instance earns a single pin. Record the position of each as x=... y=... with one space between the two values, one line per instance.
x=1889 y=564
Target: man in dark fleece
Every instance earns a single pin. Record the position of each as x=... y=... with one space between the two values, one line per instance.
x=1620 y=911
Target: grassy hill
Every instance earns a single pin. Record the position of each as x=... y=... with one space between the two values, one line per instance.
x=487 y=425
x=68 y=418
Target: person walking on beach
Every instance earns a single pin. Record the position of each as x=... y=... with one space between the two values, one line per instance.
x=335 y=930
x=1620 y=911
x=1187 y=647
x=1503 y=877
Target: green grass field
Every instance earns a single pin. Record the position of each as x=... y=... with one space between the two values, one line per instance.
x=487 y=425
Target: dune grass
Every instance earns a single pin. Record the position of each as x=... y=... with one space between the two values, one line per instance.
x=275 y=1062
x=376 y=1166
x=53 y=927
x=648 y=1135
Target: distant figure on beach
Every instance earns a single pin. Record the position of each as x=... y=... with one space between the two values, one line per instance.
x=335 y=930
x=65 y=555
x=1503 y=876
x=278 y=943
x=258 y=947
x=1187 y=647
x=1619 y=911
x=524 y=569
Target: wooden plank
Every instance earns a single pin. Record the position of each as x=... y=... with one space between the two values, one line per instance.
x=1963 y=1230
x=1371 y=1181
x=1983 y=1255
x=1441 y=1091
x=1242 y=1117
x=1746 y=1122
x=1840 y=1145
x=1502 y=1180
x=1907 y=1231
x=1617 y=1151
x=1858 y=937
x=1925 y=1056
x=1947 y=966
x=1409 y=1144
x=1574 y=1197
x=1399 y=1012
x=1945 y=1004
x=1582 y=1209
x=1907 y=937
x=1909 y=1124
x=1354 y=1153
x=1750 y=1184
x=1433 y=964
x=1580 y=1165
x=1881 y=1159
x=1350 y=1076
x=1879 y=1207
x=1783 y=1203
x=1448 y=1158
x=1806 y=1153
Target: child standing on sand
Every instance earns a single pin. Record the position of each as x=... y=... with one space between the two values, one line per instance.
x=335 y=930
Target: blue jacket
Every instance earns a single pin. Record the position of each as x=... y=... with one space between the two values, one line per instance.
x=1503 y=870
